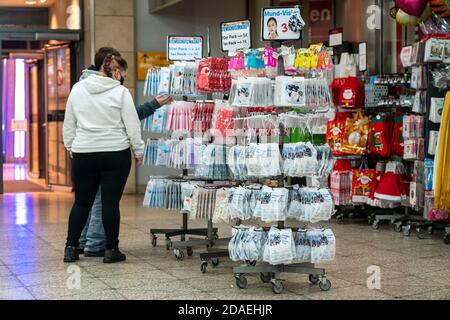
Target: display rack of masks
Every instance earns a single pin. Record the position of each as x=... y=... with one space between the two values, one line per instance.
x=282 y=246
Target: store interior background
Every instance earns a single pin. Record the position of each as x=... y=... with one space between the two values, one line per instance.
x=134 y=26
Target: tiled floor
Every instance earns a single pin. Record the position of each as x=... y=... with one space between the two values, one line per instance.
x=33 y=229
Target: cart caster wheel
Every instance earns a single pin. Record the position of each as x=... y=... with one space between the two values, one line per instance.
x=189 y=251
x=216 y=236
x=325 y=285
x=154 y=241
x=241 y=282
x=168 y=244
x=370 y=220
x=421 y=236
x=398 y=227
x=204 y=266
x=178 y=254
x=340 y=220
x=215 y=262
x=267 y=277
x=278 y=287
x=376 y=225
x=447 y=239
x=313 y=279
x=430 y=231
x=406 y=231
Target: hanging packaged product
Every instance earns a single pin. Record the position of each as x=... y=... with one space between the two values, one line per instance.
x=379 y=137
x=436 y=110
x=418 y=78
x=356 y=134
x=150 y=152
x=341 y=182
x=434 y=50
x=162 y=154
x=315 y=246
x=159 y=120
x=252 y=92
x=179 y=114
x=348 y=92
x=221 y=212
x=271 y=62
x=264 y=160
x=279 y=247
x=397 y=136
x=363 y=183
x=429 y=173
x=223 y=117
x=271 y=204
x=420 y=102
x=289 y=56
x=247 y=244
x=416 y=195
x=201 y=117
x=310 y=205
x=213 y=75
x=290 y=91
x=335 y=132
x=300 y=160
x=164 y=83
x=433 y=141
x=375 y=95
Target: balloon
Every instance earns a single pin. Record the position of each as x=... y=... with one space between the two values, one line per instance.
x=406 y=19
x=412 y=7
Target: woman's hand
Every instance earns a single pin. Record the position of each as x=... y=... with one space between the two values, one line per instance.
x=163 y=99
x=139 y=161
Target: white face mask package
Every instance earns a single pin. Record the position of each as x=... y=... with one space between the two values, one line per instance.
x=433 y=141
x=325 y=159
x=323 y=245
x=163 y=194
x=290 y=91
x=311 y=205
x=242 y=202
x=436 y=109
x=300 y=160
x=420 y=102
x=183 y=78
x=221 y=212
x=264 y=160
x=202 y=203
x=279 y=247
x=164 y=83
x=180 y=153
x=252 y=92
x=237 y=162
x=271 y=205
x=212 y=163
x=150 y=152
x=246 y=244
x=315 y=246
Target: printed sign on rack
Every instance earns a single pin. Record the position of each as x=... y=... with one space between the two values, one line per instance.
x=236 y=35
x=280 y=24
x=184 y=48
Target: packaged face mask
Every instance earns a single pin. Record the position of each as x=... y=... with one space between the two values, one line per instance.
x=164 y=85
x=429 y=173
x=436 y=109
x=432 y=144
x=434 y=50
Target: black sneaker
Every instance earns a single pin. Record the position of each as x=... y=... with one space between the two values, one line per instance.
x=113 y=256
x=94 y=254
x=71 y=255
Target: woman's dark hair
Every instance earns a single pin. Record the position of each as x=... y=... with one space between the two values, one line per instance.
x=108 y=67
x=272 y=19
x=102 y=54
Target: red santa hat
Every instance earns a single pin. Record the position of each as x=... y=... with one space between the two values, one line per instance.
x=390 y=187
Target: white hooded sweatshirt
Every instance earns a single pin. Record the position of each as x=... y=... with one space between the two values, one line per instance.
x=101 y=117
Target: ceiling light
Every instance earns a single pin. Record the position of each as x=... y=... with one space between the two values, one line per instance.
x=30 y=2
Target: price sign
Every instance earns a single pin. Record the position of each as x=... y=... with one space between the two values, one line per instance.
x=236 y=35
x=280 y=24
x=336 y=37
x=182 y=48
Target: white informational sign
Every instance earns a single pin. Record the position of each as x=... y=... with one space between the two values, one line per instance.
x=181 y=48
x=282 y=24
x=336 y=39
x=236 y=35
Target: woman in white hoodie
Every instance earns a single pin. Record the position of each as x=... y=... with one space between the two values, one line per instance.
x=101 y=129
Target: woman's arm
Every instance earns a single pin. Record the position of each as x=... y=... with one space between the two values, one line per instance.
x=70 y=126
x=133 y=125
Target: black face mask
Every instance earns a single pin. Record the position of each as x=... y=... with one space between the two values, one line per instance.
x=122 y=80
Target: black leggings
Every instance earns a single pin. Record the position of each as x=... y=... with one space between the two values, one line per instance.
x=109 y=170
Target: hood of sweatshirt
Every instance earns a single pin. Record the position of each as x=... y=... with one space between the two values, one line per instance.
x=95 y=84
x=87 y=73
